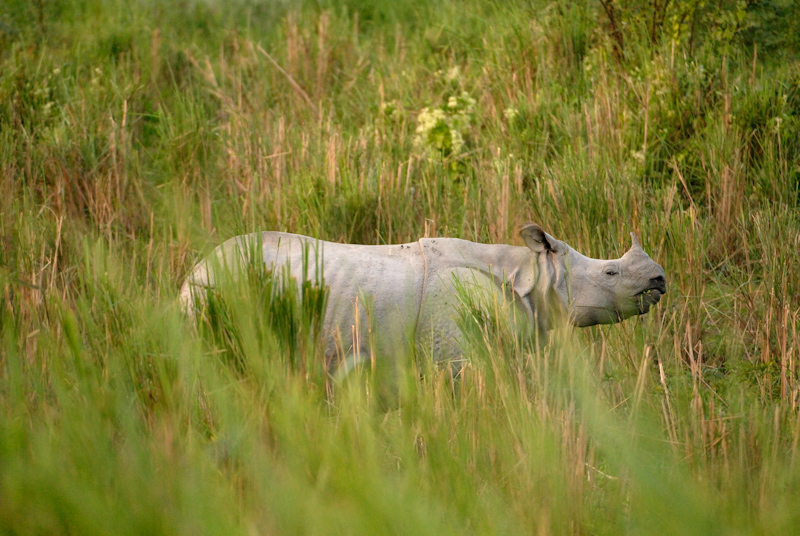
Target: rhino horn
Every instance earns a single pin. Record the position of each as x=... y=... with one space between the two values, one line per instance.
x=635 y=242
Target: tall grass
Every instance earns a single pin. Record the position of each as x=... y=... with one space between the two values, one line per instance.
x=136 y=137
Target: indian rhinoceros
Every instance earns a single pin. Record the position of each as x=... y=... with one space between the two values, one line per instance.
x=415 y=293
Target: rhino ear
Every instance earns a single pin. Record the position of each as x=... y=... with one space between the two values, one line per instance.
x=536 y=239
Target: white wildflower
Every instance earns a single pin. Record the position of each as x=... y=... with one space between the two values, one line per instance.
x=453 y=74
x=511 y=114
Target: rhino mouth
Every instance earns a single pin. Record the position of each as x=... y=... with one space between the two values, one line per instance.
x=647 y=298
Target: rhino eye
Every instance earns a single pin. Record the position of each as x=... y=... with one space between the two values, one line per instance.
x=610 y=271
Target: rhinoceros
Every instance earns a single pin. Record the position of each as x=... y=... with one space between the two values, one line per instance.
x=415 y=293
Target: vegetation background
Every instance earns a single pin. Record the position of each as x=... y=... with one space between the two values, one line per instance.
x=136 y=136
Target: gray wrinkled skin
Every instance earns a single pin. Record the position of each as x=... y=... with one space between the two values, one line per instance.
x=414 y=293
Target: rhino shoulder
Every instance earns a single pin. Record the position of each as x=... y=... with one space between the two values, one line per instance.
x=504 y=264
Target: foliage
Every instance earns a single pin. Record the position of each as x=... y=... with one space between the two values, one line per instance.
x=441 y=131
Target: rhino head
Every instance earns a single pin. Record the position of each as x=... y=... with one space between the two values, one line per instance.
x=595 y=291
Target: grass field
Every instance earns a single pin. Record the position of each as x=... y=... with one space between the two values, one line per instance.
x=136 y=136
